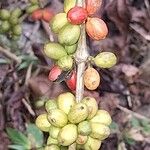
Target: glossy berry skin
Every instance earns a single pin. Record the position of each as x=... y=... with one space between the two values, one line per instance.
x=92 y=6
x=71 y=82
x=37 y=15
x=96 y=28
x=77 y=15
x=54 y=73
x=47 y=15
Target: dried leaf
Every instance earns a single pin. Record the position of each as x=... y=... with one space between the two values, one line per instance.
x=129 y=70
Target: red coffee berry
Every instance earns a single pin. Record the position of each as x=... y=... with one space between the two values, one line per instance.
x=71 y=82
x=77 y=15
x=54 y=73
x=47 y=15
x=37 y=15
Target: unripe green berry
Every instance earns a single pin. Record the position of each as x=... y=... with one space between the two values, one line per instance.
x=65 y=63
x=4 y=14
x=71 y=49
x=17 y=29
x=39 y=103
x=69 y=34
x=15 y=37
x=16 y=12
x=58 y=22
x=34 y=1
x=105 y=60
x=32 y=8
x=5 y=26
x=13 y=20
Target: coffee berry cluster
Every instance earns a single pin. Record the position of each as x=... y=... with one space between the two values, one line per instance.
x=67 y=27
x=9 y=22
x=36 y=13
x=68 y=122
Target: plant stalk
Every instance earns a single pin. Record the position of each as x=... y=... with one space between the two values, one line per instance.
x=81 y=58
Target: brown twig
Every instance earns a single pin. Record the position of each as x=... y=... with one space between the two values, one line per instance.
x=139 y=116
x=8 y=53
x=28 y=74
x=28 y=107
x=48 y=30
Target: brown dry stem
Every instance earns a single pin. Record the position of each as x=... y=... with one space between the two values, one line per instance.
x=81 y=57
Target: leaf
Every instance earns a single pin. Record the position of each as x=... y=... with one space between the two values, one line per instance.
x=4 y=61
x=28 y=57
x=23 y=66
x=135 y=122
x=18 y=138
x=35 y=135
x=17 y=147
x=129 y=141
x=145 y=123
x=114 y=126
x=136 y=135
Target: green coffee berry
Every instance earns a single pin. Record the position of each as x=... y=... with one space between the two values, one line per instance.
x=65 y=63
x=15 y=37
x=71 y=49
x=84 y=128
x=16 y=13
x=69 y=34
x=105 y=60
x=17 y=29
x=13 y=20
x=34 y=1
x=32 y=8
x=67 y=135
x=65 y=101
x=5 y=26
x=4 y=14
x=42 y=122
x=39 y=103
x=54 y=51
x=92 y=106
x=99 y=131
x=102 y=117
x=68 y=4
x=78 y=113
x=58 y=22
x=92 y=144
x=51 y=141
x=50 y=104
x=54 y=131
x=57 y=118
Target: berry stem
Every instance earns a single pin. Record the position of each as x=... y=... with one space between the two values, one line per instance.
x=81 y=58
